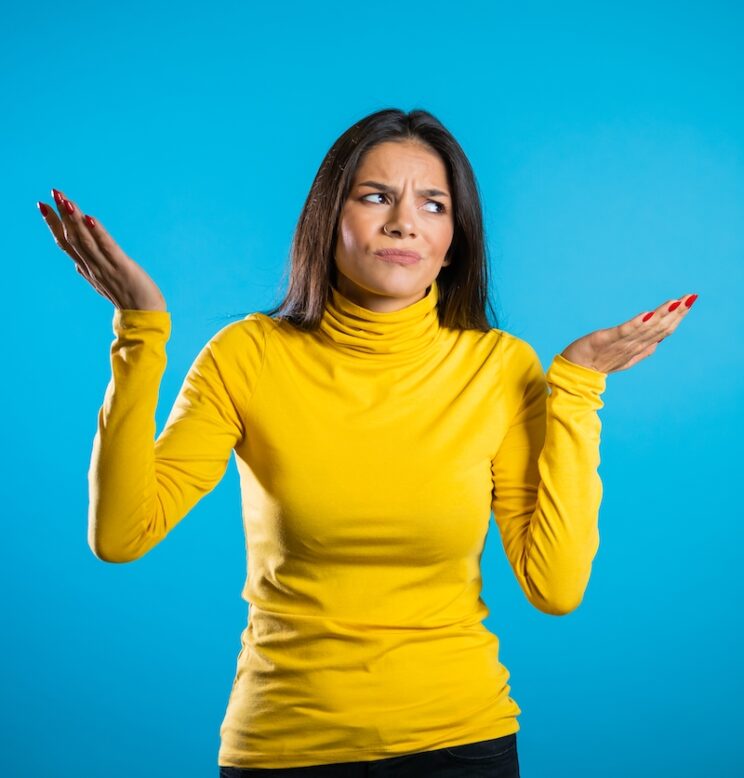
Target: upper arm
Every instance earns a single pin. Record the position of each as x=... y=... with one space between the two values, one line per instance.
x=207 y=420
x=514 y=468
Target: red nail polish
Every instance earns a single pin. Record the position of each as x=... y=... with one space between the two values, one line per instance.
x=44 y=210
x=90 y=220
x=69 y=206
x=692 y=299
x=58 y=197
x=674 y=305
x=648 y=316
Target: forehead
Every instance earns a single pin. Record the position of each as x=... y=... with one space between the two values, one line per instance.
x=392 y=158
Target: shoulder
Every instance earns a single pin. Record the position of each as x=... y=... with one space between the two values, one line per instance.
x=503 y=352
x=515 y=353
x=241 y=345
x=252 y=331
x=522 y=377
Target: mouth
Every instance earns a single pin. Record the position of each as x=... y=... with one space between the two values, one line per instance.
x=401 y=256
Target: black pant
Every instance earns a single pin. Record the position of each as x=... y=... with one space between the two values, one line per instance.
x=496 y=758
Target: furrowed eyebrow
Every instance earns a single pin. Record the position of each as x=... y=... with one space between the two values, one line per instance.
x=386 y=188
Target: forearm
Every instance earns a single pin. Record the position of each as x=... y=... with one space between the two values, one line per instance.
x=122 y=482
x=563 y=534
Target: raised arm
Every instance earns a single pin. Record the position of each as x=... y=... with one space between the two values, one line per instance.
x=140 y=487
x=546 y=488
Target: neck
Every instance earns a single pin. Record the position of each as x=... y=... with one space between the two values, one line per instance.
x=387 y=336
x=374 y=302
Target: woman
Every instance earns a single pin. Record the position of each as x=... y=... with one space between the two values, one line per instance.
x=377 y=419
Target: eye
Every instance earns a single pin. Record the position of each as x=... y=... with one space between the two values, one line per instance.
x=442 y=208
x=375 y=194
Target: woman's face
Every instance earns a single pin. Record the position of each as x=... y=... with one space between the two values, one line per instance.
x=405 y=217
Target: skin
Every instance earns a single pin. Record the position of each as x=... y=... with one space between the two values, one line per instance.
x=617 y=348
x=98 y=258
x=423 y=223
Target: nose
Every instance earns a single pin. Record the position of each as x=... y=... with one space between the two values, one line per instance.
x=401 y=220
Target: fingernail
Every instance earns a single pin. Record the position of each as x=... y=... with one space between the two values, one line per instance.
x=90 y=220
x=692 y=299
x=58 y=197
x=648 y=316
x=674 y=305
x=44 y=210
x=69 y=206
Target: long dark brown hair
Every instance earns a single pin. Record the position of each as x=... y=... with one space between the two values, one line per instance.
x=463 y=284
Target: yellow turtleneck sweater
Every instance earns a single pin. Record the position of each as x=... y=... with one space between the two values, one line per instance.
x=370 y=455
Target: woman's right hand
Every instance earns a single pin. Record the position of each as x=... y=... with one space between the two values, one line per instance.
x=99 y=260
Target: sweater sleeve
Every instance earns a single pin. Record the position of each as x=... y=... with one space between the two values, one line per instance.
x=140 y=487
x=546 y=486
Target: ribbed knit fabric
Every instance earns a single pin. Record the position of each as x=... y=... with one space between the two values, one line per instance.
x=371 y=454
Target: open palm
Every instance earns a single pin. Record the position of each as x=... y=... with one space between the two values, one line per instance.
x=618 y=348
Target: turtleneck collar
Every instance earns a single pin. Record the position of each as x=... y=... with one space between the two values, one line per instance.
x=362 y=332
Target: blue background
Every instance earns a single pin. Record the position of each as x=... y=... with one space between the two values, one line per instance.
x=609 y=148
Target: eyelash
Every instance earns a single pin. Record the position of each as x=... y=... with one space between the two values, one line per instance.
x=442 y=206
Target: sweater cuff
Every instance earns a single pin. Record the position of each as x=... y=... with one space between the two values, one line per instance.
x=569 y=375
x=156 y=322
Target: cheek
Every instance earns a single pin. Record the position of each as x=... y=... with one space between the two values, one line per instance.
x=444 y=239
x=355 y=231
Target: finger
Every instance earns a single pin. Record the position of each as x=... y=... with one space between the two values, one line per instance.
x=82 y=265
x=77 y=241
x=69 y=218
x=107 y=251
x=58 y=232
x=55 y=227
x=60 y=199
x=666 y=318
x=63 y=226
x=646 y=352
x=82 y=237
x=91 y=236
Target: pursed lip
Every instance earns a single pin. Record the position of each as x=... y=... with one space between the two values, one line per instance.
x=398 y=253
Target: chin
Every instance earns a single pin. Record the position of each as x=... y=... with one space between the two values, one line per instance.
x=394 y=287
x=384 y=279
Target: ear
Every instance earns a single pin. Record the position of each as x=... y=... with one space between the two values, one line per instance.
x=447 y=260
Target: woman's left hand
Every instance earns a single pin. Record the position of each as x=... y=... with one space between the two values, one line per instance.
x=618 y=348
